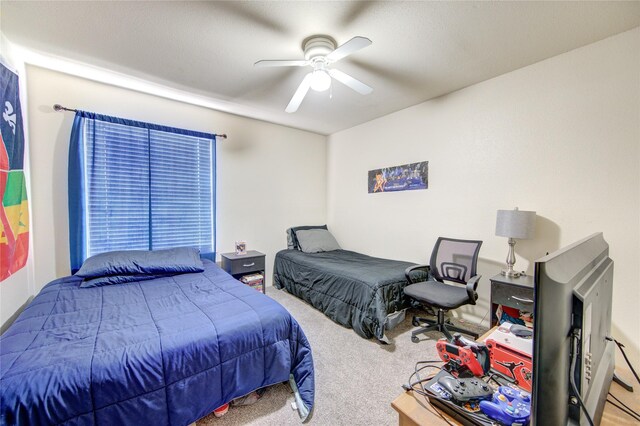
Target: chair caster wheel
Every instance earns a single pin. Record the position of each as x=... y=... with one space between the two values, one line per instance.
x=415 y=339
x=415 y=322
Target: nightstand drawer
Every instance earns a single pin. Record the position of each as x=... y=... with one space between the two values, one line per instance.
x=511 y=292
x=242 y=264
x=512 y=296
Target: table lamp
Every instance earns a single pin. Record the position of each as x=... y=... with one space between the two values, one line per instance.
x=514 y=224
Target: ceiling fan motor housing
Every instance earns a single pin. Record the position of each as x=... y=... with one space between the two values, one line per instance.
x=319 y=52
x=318 y=46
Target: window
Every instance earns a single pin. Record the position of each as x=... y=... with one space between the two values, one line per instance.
x=139 y=186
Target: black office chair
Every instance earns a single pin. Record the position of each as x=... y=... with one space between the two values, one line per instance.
x=451 y=260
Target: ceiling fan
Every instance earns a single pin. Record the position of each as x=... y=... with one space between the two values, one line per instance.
x=319 y=52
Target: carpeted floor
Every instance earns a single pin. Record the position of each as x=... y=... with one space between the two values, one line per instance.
x=356 y=379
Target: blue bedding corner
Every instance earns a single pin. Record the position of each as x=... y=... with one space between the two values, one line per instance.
x=162 y=351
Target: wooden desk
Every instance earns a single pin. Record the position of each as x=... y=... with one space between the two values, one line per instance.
x=415 y=410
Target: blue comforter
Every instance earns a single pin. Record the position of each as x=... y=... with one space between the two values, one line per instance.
x=164 y=351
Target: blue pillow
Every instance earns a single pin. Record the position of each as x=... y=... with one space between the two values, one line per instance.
x=118 y=279
x=132 y=262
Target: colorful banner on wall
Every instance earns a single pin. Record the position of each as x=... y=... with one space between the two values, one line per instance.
x=399 y=178
x=14 y=214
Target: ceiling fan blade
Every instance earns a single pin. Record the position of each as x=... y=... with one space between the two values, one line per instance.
x=301 y=92
x=350 y=82
x=348 y=48
x=278 y=63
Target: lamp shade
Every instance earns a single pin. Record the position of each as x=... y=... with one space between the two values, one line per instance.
x=516 y=223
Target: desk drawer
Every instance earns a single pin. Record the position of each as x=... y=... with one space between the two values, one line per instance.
x=243 y=265
x=512 y=296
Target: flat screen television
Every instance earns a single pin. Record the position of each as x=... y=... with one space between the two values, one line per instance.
x=572 y=308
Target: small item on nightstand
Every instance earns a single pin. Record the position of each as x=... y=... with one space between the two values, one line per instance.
x=241 y=247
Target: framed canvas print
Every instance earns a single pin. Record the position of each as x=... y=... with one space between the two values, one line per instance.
x=399 y=178
x=241 y=247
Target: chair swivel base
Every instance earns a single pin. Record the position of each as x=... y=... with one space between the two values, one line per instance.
x=438 y=325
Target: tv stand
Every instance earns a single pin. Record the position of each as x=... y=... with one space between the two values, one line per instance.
x=414 y=410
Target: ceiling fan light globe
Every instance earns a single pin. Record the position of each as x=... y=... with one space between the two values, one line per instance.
x=320 y=81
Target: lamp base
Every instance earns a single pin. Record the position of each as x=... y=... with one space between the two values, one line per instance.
x=510 y=273
x=511 y=260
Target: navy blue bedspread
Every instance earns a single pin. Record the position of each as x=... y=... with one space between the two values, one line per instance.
x=164 y=351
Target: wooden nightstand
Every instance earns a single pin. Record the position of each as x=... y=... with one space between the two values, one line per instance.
x=239 y=265
x=512 y=292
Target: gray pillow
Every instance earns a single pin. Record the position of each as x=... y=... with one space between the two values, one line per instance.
x=293 y=231
x=316 y=241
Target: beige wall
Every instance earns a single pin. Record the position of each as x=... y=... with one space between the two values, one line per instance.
x=560 y=137
x=269 y=177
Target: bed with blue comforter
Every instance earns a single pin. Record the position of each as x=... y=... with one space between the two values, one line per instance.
x=164 y=351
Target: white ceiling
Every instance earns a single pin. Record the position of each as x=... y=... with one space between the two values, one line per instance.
x=420 y=50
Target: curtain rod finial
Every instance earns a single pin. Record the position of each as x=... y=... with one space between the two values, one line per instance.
x=57 y=107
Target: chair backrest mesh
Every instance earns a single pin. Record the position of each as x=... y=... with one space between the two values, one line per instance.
x=455 y=260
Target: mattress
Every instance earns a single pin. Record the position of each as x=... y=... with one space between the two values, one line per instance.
x=163 y=351
x=353 y=289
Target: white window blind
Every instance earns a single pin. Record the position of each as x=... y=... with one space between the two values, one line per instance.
x=147 y=189
x=181 y=191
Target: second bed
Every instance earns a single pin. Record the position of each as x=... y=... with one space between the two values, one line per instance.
x=355 y=290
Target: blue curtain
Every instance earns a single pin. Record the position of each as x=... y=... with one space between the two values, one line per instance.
x=136 y=185
x=76 y=191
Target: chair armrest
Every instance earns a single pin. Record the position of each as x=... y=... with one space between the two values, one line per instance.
x=472 y=285
x=410 y=269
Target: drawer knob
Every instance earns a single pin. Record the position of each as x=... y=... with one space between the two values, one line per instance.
x=246 y=265
x=522 y=299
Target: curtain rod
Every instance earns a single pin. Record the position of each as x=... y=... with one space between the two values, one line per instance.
x=58 y=107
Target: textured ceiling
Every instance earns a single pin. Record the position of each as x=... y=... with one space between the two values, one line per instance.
x=420 y=50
